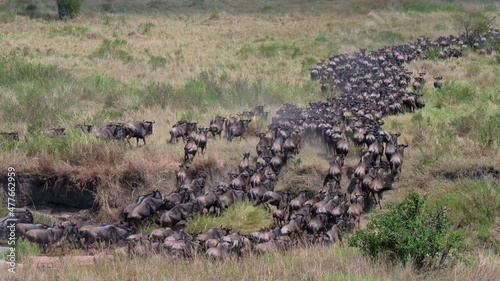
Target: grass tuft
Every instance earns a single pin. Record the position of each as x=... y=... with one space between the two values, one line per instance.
x=242 y=217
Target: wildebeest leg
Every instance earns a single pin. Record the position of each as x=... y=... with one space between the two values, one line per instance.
x=128 y=140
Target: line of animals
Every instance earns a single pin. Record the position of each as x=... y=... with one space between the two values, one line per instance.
x=233 y=127
x=371 y=89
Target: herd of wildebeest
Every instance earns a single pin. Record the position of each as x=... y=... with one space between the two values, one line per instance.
x=371 y=85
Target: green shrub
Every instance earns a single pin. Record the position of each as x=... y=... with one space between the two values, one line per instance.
x=73 y=7
x=31 y=10
x=407 y=233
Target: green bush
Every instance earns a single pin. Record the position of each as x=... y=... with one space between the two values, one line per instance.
x=73 y=7
x=407 y=233
x=31 y=10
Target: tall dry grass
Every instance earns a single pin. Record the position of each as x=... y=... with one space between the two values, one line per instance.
x=315 y=263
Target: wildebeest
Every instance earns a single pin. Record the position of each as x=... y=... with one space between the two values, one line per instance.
x=201 y=139
x=396 y=161
x=101 y=234
x=176 y=214
x=182 y=129
x=45 y=237
x=56 y=132
x=146 y=208
x=160 y=234
x=216 y=126
x=238 y=129
x=114 y=131
x=190 y=147
x=22 y=228
x=128 y=209
x=9 y=136
x=181 y=175
x=244 y=162
x=138 y=130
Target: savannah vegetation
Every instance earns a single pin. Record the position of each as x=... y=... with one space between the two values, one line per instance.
x=172 y=60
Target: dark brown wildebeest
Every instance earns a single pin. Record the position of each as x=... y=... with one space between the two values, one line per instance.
x=128 y=209
x=84 y=128
x=244 y=162
x=46 y=237
x=9 y=136
x=207 y=201
x=334 y=171
x=292 y=144
x=160 y=234
x=181 y=175
x=228 y=123
x=106 y=234
x=228 y=198
x=265 y=236
x=241 y=181
x=238 y=129
x=438 y=83
x=356 y=208
x=138 y=130
x=22 y=228
x=391 y=146
x=111 y=131
x=56 y=132
x=217 y=126
x=277 y=146
x=146 y=208
x=212 y=233
x=201 y=139
x=396 y=161
x=177 y=214
x=190 y=147
x=335 y=233
x=182 y=129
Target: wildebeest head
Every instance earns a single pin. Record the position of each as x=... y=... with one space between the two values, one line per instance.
x=148 y=126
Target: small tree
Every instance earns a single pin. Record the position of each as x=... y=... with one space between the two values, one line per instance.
x=68 y=7
x=407 y=233
x=472 y=25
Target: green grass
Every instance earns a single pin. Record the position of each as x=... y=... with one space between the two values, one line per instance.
x=114 y=48
x=472 y=207
x=71 y=30
x=242 y=217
